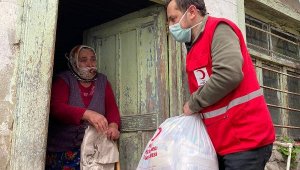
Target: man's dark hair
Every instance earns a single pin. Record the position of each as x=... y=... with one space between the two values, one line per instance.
x=184 y=4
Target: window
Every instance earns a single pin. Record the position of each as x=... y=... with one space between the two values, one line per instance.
x=293 y=85
x=284 y=44
x=280 y=82
x=257 y=37
x=269 y=40
x=271 y=84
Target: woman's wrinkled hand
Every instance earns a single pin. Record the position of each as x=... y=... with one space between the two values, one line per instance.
x=113 y=133
x=97 y=120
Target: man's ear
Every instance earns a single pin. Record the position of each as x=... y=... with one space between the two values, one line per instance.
x=193 y=12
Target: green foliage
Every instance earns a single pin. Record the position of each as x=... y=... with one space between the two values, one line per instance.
x=285 y=150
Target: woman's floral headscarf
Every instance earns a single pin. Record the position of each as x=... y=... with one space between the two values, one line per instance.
x=86 y=74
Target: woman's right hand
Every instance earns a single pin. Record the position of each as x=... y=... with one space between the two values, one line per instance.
x=96 y=119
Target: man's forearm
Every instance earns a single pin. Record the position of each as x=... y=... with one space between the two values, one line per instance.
x=227 y=72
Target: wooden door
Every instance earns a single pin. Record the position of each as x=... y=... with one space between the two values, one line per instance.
x=132 y=52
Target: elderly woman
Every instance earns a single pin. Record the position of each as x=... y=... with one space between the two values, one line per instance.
x=80 y=97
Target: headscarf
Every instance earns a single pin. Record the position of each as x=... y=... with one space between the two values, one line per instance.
x=86 y=74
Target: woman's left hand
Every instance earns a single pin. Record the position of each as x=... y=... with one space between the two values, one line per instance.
x=113 y=132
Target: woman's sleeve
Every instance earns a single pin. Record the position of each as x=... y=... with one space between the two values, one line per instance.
x=59 y=108
x=111 y=109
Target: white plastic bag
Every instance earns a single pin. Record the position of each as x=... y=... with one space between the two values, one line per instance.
x=180 y=143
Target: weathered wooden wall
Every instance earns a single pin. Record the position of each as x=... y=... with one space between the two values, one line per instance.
x=8 y=65
x=27 y=33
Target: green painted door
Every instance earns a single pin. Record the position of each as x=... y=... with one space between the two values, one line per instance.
x=132 y=52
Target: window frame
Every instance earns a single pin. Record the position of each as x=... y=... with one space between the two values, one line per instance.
x=285 y=66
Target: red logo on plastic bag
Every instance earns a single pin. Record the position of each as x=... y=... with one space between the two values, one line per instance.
x=155 y=135
x=151 y=151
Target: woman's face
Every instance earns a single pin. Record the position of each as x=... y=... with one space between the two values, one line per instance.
x=86 y=58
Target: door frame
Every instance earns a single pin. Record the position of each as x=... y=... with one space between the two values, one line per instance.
x=35 y=33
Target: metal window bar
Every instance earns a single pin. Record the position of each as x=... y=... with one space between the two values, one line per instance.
x=262 y=48
x=258 y=22
x=281 y=91
x=295 y=37
x=267 y=28
x=270 y=48
x=286 y=74
x=285 y=126
x=282 y=73
x=272 y=52
x=282 y=107
x=270 y=33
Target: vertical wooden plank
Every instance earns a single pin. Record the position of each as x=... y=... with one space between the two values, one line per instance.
x=186 y=91
x=37 y=30
x=176 y=73
x=128 y=73
x=106 y=56
x=148 y=61
x=146 y=138
x=130 y=149
x=162 y=64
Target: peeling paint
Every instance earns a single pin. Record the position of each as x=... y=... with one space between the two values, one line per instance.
x=140 y=75
x=28 y=50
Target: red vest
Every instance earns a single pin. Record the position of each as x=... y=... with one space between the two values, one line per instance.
x=240 y=121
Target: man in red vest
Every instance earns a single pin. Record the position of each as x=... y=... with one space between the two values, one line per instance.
x=223 y=85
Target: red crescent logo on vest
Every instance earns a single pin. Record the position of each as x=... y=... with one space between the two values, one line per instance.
x=202 y=73
x=201 y=76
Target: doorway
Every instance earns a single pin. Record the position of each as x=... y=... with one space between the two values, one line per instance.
x=130 y=39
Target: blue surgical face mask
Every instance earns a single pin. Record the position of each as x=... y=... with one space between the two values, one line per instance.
x=181 y=34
